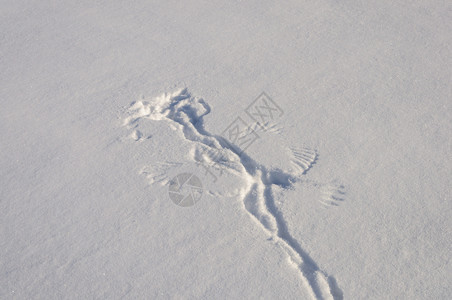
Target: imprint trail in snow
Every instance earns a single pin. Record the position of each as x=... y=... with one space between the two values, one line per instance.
x=187 y=113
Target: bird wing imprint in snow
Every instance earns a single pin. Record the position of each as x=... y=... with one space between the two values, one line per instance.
x=257 y=196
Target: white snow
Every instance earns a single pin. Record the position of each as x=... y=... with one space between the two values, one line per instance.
x=225 y=149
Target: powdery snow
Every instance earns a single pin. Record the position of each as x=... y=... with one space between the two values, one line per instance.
x=225 y=149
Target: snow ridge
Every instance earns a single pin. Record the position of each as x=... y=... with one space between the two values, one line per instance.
x=257 y=196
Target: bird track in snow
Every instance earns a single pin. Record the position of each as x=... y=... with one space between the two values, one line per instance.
x=187 y=113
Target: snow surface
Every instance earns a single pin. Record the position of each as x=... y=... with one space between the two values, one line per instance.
x=121 y=175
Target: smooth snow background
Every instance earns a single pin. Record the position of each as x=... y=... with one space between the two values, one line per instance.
x=367 y=85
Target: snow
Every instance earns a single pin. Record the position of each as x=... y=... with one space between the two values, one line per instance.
x=339 y=187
